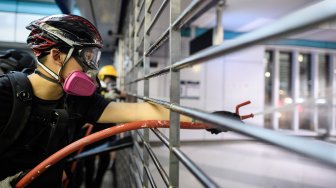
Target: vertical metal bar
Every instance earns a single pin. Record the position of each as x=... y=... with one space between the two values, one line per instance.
x=146 y=63
x=134 y=58
x=275 y=89
x=127 y=87
x=174 y=130
x=218 y=32
x=295 y=89
x=121 y=65
x=332 y=94
x=314 y=91
x=135 y=45
x=129 y=51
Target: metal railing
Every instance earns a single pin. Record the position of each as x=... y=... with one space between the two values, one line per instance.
x=298 y=21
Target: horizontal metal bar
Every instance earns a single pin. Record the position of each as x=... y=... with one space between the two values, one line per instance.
x=156 y=162
x=198 y=173
x=163 y=37
x=137 y=148
x=138 y=2
x=140 y=26
x=150 y=177
x=140 y=9
x=139 y=62
x=177 y=24
x=201 y=11
x=140 y=42
x=161 y=136
x=157 y=15
x=156 y=73
x=187 y=14
x=136 y=65
x=150 y=6
x=138 y=170
x=322 y=152
x=288 y=25
x=191 y=166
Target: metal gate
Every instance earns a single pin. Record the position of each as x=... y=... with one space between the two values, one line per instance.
x=135 y=51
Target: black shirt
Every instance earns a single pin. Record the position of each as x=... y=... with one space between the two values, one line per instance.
x=30 y=149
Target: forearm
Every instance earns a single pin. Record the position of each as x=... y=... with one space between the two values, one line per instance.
x=129 y=112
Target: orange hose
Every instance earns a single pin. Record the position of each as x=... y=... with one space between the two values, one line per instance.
x=53 y=159
x=74 y=164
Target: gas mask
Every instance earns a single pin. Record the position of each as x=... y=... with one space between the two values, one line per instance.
x=84 y=83
x=80 y=83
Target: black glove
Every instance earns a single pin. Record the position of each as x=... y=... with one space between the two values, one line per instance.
x=226 y=114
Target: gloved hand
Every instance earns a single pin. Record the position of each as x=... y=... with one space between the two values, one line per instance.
x=226 y=114
x=111 y=95
x=10 y=181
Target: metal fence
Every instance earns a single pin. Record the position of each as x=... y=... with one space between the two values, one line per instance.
x=136 y=49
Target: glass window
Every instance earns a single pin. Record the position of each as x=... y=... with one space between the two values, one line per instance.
x=323 y=75
x=285 y=92
x=305 y=76
x=268 y=67
x=323 y=90
x=7 y=26
x=305 y=82
x=17 y=14
x=23 y=20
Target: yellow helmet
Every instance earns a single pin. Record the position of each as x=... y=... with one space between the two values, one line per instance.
x=107 y=70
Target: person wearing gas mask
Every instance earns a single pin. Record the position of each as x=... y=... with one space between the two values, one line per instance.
x=61 y=97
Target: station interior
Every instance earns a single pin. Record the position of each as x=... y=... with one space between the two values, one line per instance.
x=272 y=63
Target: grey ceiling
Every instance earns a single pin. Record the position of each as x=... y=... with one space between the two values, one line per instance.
x=239 y=15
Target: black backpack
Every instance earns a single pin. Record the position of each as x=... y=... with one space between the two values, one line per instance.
x=22 y=102
x=21 y=110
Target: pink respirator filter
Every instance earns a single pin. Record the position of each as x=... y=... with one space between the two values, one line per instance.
x=78 y=83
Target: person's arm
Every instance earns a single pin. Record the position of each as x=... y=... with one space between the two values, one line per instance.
x=130 y=112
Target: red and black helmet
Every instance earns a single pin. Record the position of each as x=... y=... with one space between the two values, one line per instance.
x=62 y=30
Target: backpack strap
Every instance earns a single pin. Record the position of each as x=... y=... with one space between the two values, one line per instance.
x=22 y=102
x=59 y=122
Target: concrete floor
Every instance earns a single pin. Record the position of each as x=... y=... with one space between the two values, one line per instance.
x=246 y=164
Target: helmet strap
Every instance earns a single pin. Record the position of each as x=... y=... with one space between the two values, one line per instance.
x=50 y=72
x=46 y=77
x=65 y=61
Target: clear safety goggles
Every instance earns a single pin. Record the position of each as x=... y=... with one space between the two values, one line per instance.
x=89 y=57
